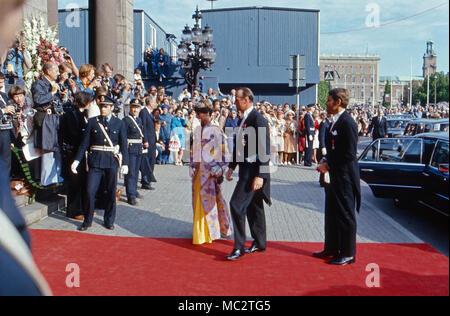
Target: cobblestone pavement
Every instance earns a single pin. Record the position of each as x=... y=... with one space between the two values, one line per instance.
x=297 y=213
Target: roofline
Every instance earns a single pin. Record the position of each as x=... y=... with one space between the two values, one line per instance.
x=145 y=13
x=260 y=8
x=72 y=9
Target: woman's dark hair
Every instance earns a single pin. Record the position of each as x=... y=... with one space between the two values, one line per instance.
x=82 y=99
x=16 y=90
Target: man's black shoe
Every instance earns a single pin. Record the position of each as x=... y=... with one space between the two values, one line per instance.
x=83 y=228
x=342 y=261
x=324 y=255
x=147 y=187
x=110 y=227
x=237 y=254
x=254 y=249
x=132 y=202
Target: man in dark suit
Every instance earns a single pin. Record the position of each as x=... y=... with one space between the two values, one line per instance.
x=253 y=188
x=343 y=194
x=6 y=127
x=309 y=134
x=136 y=140
x=104 y=138
x=149 y=156
x=378 y=127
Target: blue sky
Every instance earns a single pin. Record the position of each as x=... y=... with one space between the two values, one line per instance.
x=396 y=42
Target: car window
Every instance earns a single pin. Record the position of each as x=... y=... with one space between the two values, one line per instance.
x=371 y=153
x=440 y=156
x=401 y=150
x=441 y=127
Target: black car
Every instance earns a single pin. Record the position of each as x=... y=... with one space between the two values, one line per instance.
x=409 y=169
x=421 y=126
x=396 y=126
x=400 y=116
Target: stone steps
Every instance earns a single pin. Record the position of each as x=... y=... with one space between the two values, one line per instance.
x=40 y=209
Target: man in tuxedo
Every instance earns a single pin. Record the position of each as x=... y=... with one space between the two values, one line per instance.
x=309 y=133
x=378 y=128
x=343 y=194
x=253 y=187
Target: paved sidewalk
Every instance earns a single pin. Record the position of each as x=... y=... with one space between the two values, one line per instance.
x=297 y=213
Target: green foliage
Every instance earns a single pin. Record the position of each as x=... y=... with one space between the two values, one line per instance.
x=440 y=84
x=387 y=91
x=323 y=94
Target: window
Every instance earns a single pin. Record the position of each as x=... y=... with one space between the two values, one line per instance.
x=440 y=156
x=363 y=70
x=353 y=79
x=154 y=42
x=174 y=53
x=401 y=150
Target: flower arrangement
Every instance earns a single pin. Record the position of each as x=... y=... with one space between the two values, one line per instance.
x=43 y=45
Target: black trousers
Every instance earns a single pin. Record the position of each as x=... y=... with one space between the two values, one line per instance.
x=249 y=204
x=340 y=222
x=5 y=151
x=95 y=176
x=148 y=162
x=131 y=179
x=77 y=198
x=309 y=153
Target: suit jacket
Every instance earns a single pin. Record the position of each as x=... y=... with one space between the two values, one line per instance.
x=41 y=91
x=323 y=130
x=148 y=122
x=73 y=126
x=93 y=136
x=342 y=143
x=252 y=164
x=378 y=128
x=309 y=126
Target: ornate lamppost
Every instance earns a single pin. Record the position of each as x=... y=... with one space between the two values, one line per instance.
x=196 y=51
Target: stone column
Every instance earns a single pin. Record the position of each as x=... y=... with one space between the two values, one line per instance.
x=114 y=35
x=52 y=12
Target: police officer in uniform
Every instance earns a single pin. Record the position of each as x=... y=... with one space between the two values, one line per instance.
x=6 y=128
x=136 y=139
x=105 y=138
x=309 y=133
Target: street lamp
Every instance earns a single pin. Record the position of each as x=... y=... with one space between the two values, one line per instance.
x=196 y=51
x=435 y=89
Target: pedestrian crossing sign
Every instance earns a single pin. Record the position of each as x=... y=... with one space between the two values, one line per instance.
x=329 y=76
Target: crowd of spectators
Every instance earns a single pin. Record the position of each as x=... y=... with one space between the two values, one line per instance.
x=36 y=124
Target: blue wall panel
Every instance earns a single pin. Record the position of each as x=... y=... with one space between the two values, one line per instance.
x=254 y=44
x=76 y=39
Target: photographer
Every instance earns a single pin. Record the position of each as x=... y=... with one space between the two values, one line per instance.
x=87 y=81
x=67 y=84
x=47 y=99
x=23 y=120
x=16 y=59
x=69 y=60
x=108 y=77
x=6 y=127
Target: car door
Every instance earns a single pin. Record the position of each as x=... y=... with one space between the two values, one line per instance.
x=436 y=190
x=393 y=167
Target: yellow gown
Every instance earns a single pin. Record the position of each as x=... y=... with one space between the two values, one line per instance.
x=201 y=230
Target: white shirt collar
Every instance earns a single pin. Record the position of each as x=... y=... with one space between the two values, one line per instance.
x=337 y=116
x=247 y=113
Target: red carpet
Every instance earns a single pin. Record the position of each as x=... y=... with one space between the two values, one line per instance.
x=173 y=267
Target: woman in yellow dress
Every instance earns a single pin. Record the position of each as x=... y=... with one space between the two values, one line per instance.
x=209 y=161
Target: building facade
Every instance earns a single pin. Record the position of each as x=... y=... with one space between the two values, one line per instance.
x=400 y=86
x=357 y=73
x=253 y=48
